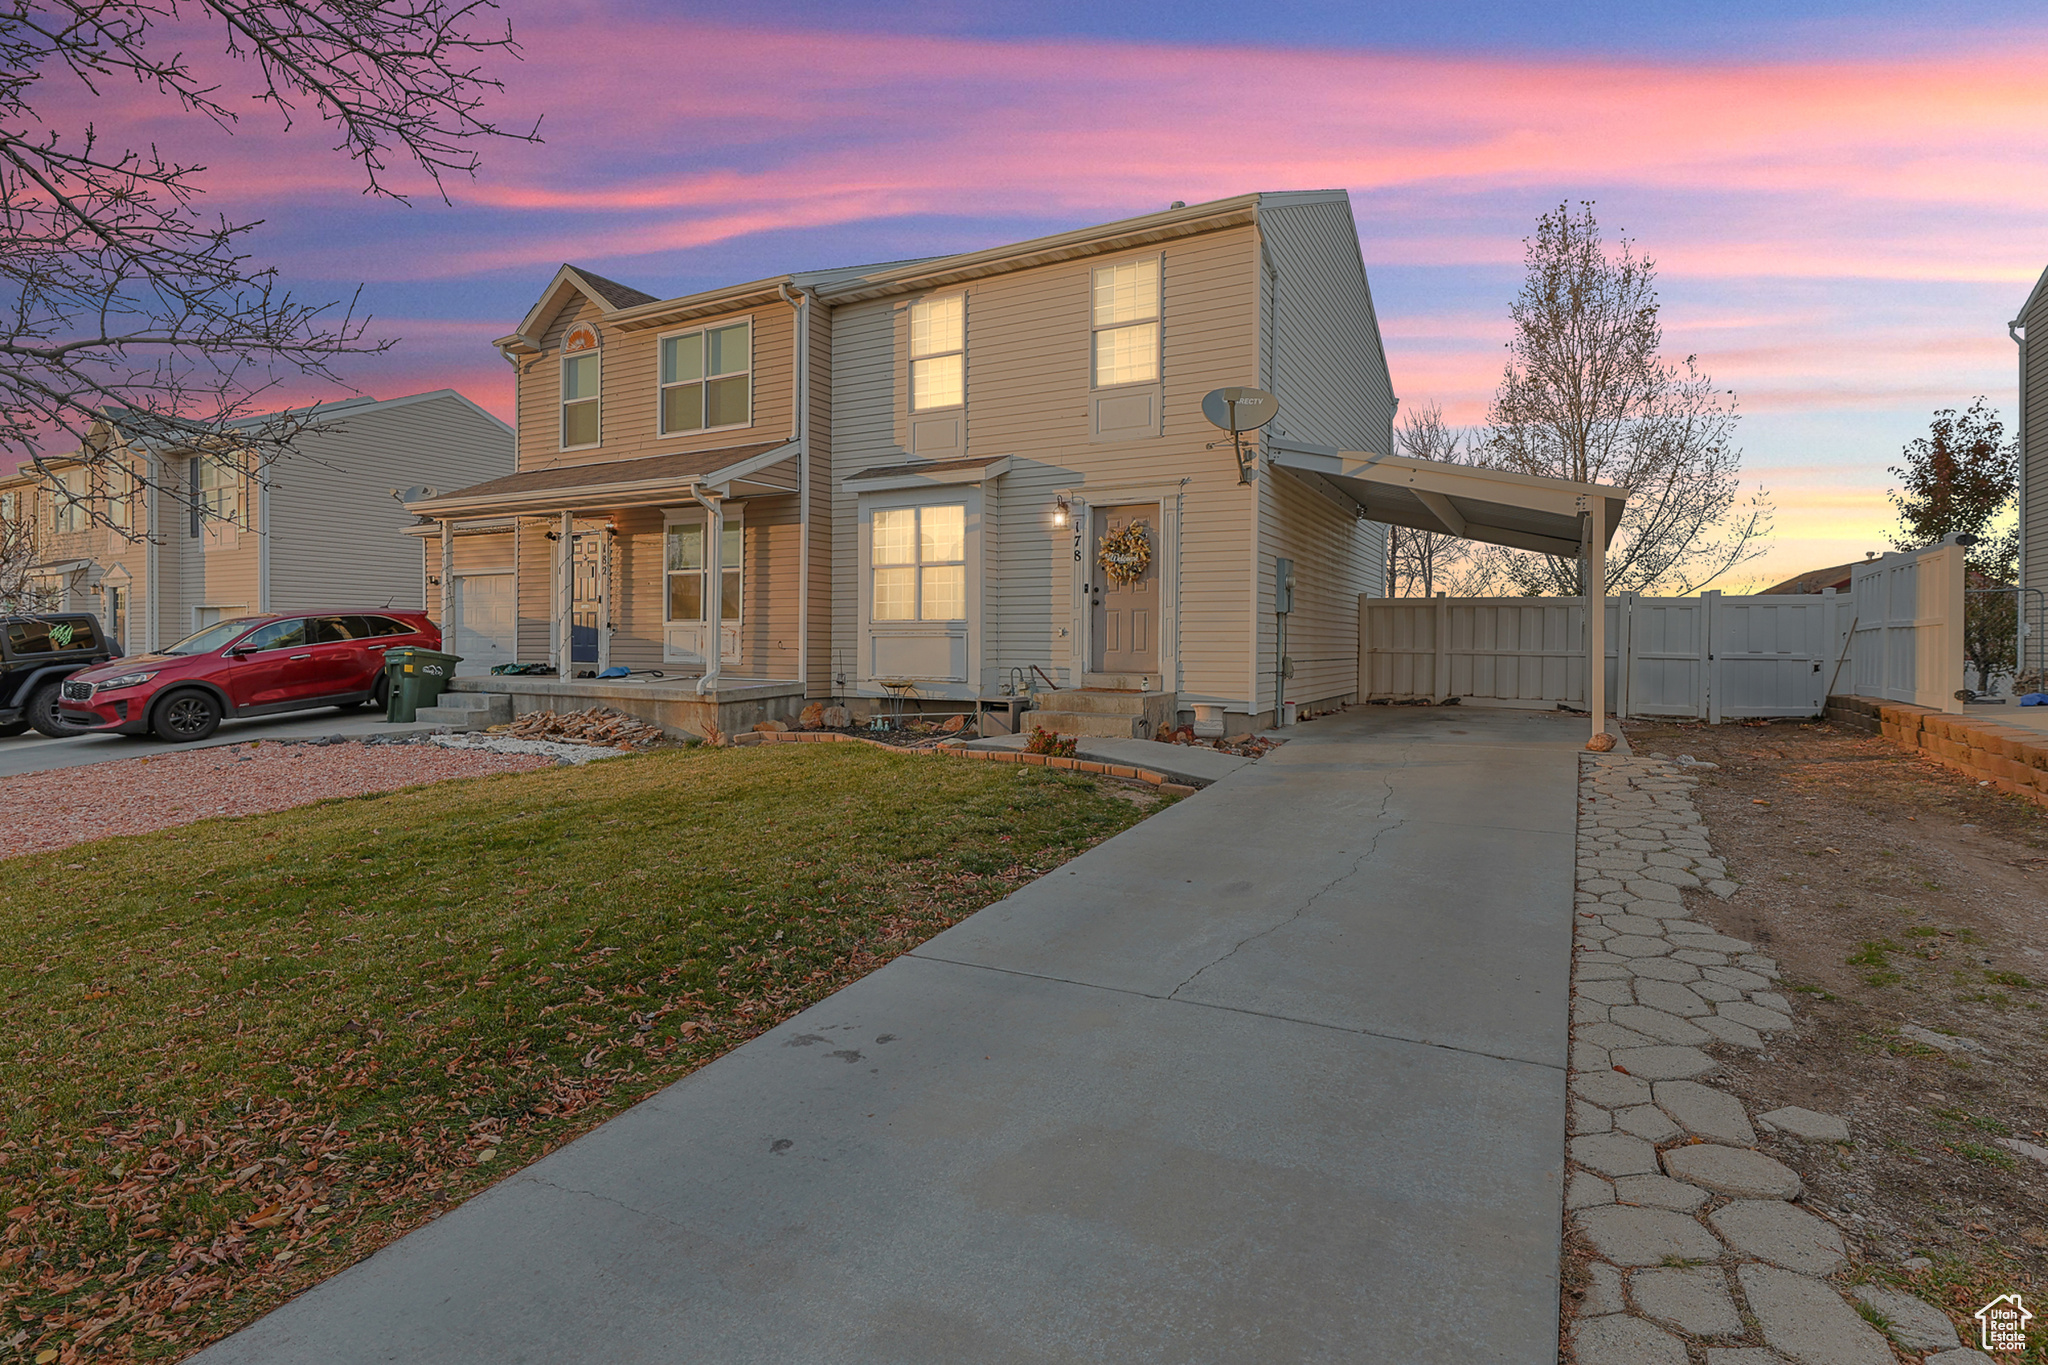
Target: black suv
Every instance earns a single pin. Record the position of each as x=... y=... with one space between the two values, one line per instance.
x=37 y=653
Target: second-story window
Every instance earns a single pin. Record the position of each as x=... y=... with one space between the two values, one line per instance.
x=707 y=379
x=217 y=490
x=121 y=497
x=579 y=400
x=938 y=353
x=72 y=507
x=1127 y=323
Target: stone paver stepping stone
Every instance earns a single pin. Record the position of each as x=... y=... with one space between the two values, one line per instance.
x=1637 y=1236
x=1669 y=997
x=1584 y=1190
x=1770 y=1000
x=1636 y=945
x=1618 y=1339
x=1647 y=1122
x=1700 y=958
x=1608 y=992
x=1712 y=942
x=1706 y=1112
x=1805 y=1123
x=1743 y=1355
x=1664 y=1028
x=1591 y=1118
x=1728 y=1031
x=1734 y=1171
x=2033 y=1151
x=1664 y=1063
x=1693 y=1300
x=1605 y=1295
x=1615 y=1154
x=1714 y=990
x=1966 y=1356
x=1667 y=969
x=1611 y=1036
x=1808 y=1321
x=1634 y=924
x=1584 y=971
x=1611 y=1088
x=1756 y=1016
x=1659 y=1192
x=1781 y=1234
x=1915 y=1325
x=1736 y=977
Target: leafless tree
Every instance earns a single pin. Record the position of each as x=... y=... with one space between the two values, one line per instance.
x=1420 y=563
x=1586 y=396
x=17 y=552
x=130 y=315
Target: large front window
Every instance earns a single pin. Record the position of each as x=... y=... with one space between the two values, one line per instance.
x=1127 y=323
x=707 y=379
x=689 y=587
x=938 y=359
x=579 y=400
x=919 y=562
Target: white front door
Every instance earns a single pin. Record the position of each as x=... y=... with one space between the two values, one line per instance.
x=486 y=623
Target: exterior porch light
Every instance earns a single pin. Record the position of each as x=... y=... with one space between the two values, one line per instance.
x=1060 y=510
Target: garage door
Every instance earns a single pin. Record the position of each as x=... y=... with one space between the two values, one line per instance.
x=487 y=622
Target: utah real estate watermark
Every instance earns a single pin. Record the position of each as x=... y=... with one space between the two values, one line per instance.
x=2002 y=1324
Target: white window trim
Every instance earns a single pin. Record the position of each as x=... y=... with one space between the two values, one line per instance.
x=918 y=565
x=1158 y=321
x=910 y=370
x=595 y=353
x=980 y=501
x=659 y=387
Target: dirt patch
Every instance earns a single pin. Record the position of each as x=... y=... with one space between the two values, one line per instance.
x=56 y=809
x=1908 y=907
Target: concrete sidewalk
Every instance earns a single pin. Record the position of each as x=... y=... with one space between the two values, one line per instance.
x=1277 y=1075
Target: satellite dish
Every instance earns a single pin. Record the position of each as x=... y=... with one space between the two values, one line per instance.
x=1239 y=409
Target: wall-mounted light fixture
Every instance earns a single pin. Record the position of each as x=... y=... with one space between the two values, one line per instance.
x=1061 y=510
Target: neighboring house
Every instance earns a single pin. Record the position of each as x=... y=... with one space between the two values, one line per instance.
x=894 y=479
x=2032 y=325
x=1816 y=580
x=161 y=542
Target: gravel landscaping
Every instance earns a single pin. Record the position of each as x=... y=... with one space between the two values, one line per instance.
x=1694 y=1237
x=52 y=810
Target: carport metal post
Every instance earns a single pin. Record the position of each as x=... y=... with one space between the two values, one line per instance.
x=1596 y=611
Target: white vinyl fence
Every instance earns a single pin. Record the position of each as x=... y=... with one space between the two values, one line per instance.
x=1905 y=628
x=1712 y=657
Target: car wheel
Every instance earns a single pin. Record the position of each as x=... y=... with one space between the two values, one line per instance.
x=41 y=712
x=186 y=717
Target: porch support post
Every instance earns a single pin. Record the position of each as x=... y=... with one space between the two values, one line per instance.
x=604 y=598
x=451 y=610
x=565 y=595
x=714 y=595
x=1596 y=612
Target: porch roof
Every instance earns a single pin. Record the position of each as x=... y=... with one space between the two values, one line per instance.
x=733 y=471
x=1524 y=511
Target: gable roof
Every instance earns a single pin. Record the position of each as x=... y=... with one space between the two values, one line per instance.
x=2019 y=319
x=614 y=294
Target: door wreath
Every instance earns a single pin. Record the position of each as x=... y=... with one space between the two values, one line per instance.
x=1125 y=555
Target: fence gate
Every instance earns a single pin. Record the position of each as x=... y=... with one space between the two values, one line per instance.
x=1767 y=655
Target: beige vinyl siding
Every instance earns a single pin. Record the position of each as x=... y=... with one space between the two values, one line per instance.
x=535 y=591
x=1326 y=366
x=337 y=536
x=627 y=398
x=769 y=623
x=636 y=588
x=1028 y=376
x=2034 y=441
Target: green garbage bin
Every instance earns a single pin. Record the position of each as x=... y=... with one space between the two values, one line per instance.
x=416 y=677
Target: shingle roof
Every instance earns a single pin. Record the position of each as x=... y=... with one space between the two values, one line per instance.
x=616 y=294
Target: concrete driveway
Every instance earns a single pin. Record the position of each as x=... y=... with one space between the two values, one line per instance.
x=35 y=753
x=1278 y=1075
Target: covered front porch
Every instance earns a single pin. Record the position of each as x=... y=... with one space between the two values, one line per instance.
x=734 y=705
x=673 y=571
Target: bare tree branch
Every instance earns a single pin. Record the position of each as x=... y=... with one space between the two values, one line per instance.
x=1585 y=396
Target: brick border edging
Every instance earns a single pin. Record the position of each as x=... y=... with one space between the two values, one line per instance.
x=1164 y=782
x=2013 y=761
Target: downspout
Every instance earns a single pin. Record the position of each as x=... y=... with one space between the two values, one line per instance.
x=800 y=387
x=2018 y=334
x=262 y=544
x=714 y=596
x=149 y=552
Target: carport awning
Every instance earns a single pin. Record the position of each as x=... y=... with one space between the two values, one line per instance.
x=1524 y=511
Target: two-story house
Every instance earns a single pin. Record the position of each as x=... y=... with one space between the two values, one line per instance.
x=160 y=542
x=945 y=477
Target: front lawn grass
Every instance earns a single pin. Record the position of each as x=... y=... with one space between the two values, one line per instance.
x=238 y=1055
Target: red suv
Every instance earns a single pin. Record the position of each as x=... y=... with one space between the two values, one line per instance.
x=252 y=666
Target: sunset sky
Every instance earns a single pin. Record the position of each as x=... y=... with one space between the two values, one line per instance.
x=1845 y=208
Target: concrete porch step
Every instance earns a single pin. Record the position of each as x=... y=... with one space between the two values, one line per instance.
x=1101 y=701
x=1103 y=714
x=1093 y=724
x=469 y=710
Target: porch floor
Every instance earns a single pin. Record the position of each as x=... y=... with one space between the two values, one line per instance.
x=671 y=702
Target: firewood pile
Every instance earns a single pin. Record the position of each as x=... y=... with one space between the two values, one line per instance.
x=599 y=725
